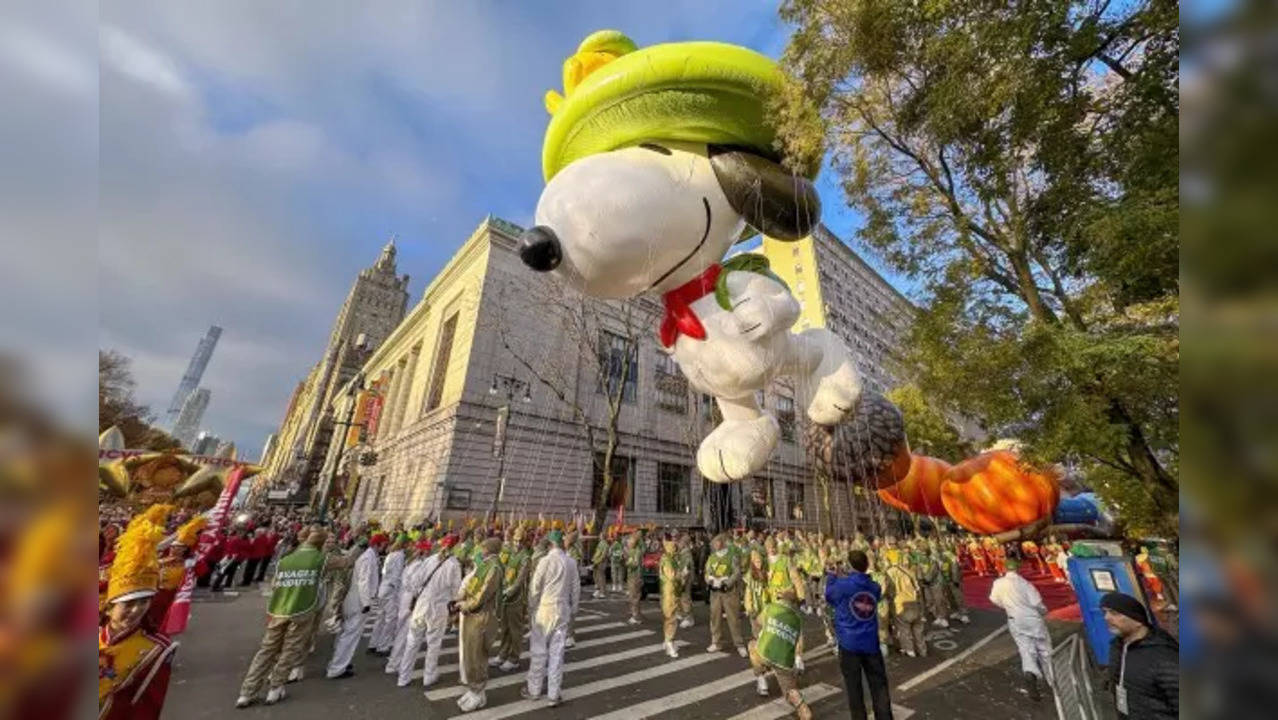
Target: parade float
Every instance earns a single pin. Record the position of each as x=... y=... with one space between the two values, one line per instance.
x=147 y=477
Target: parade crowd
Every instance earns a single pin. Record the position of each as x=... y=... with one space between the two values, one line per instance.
x=498 y=586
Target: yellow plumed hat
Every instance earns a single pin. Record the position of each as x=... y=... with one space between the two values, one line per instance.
x=135 y=572
x=157 y=514
x=189 y=533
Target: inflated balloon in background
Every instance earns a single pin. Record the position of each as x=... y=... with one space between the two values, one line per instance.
x=878 y=453
x=920 y=490
x=995 y=492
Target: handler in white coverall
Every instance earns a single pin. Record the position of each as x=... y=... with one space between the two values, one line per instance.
x=552 y=602
x=409 y=587
x=1025 y=611
x=355 y=606
x=379 y=643
x=441 y=580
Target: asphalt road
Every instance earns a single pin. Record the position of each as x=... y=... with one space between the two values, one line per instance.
x=617 y=672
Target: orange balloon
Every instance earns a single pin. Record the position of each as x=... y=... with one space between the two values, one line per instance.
x=995 y=491
x=920 y=490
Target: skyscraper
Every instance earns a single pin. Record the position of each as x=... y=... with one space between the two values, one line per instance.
x=192 y=413
x=205 y=443
x=194 y=372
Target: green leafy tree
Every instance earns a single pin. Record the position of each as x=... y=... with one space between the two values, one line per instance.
x=930 y=432
x=1019 y=161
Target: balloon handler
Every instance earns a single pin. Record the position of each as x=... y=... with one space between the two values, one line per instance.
x=781 y=627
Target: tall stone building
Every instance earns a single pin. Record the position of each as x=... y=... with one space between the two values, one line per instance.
x=373 y=308
x=190 y=416
x=486 y=389
x=194 y=373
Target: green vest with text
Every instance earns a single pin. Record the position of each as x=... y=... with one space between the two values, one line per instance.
x=296 y=588
x=779 y=628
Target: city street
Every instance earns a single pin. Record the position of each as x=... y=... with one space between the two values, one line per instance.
x=616 y=671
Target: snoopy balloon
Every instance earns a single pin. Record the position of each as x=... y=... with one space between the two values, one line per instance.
x=657 y=161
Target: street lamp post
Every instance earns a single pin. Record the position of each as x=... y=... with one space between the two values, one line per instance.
x=511 y=387
x=352 y=393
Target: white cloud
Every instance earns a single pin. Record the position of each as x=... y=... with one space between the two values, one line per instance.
x=144 y=64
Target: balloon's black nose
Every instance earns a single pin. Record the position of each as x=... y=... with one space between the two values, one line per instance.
x=539 y=248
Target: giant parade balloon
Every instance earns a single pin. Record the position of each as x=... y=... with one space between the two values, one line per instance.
x=996 y=491
x=657 y=160
x=920 y=491
x=878 y=453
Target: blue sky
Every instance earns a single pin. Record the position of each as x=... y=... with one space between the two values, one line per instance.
x=254 y=156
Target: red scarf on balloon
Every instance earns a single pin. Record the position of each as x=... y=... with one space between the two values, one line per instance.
x=680 y=319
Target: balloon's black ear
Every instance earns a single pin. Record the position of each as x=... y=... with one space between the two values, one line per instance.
x=775 y=201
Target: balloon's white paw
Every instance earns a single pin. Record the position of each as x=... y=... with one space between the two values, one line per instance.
x=737 y=448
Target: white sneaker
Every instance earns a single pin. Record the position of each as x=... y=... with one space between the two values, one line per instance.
x=472 y=701
x=494 y=662
x=686 y=623
x=941 y=622
x=274 y=695
x=428 y=680
x=965 y=619
x=243 y=701
x=743 y=652
x=798 y=663
x=597 y=595
x=508 y=666
x=634 y=621
x=570 y=642
x=909 y=653
x=761 y=685
x=671 y=651
x=883 y=649
x=295 y=674
x=553 y=701
x=712 y=649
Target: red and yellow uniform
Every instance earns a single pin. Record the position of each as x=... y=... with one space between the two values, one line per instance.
x=133 y=674
x=980 y=564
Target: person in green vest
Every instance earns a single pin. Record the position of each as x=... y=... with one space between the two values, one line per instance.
x=878 y=573
x=599 y=560
x=778 y=650
x=514 y=611
x=617 y=562
x=952 y=584
x=295 y=605
x=634 y=575
x=932 y=584
x=476 y=604
x=783 y=576
x=671 y=573
x=723 y=576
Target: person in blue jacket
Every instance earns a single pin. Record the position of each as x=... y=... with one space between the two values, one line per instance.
x=855 y=598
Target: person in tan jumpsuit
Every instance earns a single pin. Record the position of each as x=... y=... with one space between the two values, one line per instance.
x=476 y=603
x=723 y=577
x=672 y=576
x=634 y=575
x=515 y=601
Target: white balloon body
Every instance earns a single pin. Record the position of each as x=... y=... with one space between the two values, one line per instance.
x=648 y=219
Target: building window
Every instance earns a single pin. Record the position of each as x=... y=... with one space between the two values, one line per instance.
x=623 y=476
x=672 y=386
x=785 y=417
x=673 y=494
x=709 y=409
x=442 y=356
x=761 y=498
x=377 y=499
x=794 y=498
x=618 y=360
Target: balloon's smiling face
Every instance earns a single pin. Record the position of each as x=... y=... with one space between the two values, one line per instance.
x=645 y=218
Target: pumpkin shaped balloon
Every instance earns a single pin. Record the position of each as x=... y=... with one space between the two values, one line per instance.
x=995 y=492
x=920 y=490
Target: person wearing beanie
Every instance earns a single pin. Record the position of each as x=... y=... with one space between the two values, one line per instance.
x=356 y=604
x=617 y=561
x=134 y=664
x=409 y=588
x=294 y=607
x=777 y=650
x=477 y=603
x=514 y=608
x=1144 y=661
x=387 y=605
x=429 y=621
x=553 y=596
x=723 y=576
x=1025 y=611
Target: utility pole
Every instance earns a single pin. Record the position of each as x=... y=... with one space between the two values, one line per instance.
x=511 y=387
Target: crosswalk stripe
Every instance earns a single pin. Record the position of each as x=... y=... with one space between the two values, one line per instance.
x=521 y=678
x=523 y=706
x=583 y=630
x=691 y=695
x=779 y=708
x=579 y=646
